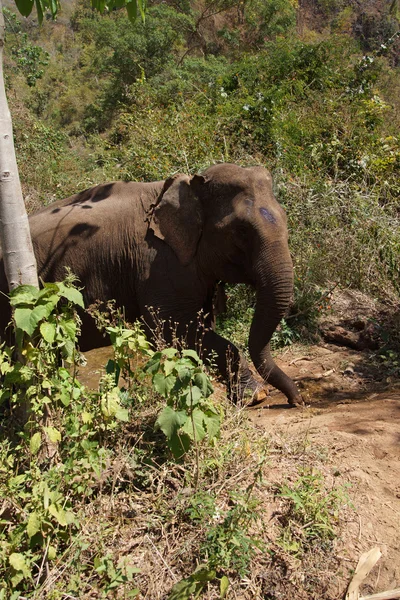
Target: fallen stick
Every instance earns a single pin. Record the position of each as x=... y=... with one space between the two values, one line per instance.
x=389 y=595
x=315 y=377
x=366 y=562
x=298 y=359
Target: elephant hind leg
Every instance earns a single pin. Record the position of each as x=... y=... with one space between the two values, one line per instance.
x=249 y=386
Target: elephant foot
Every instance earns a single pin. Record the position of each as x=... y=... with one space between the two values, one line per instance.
x=251 y=391
x=296 y=401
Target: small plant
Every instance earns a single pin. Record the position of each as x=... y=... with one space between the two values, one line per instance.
x=312 y=512
x=283 y=336
x=227 y=546
x=115 y=576
x=130 y=349
x=189 y=416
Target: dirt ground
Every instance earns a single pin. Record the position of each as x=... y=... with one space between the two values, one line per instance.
x=353 y=410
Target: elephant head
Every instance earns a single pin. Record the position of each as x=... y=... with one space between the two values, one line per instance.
x=227 y=221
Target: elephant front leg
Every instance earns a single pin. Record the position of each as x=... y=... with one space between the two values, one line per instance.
x=232 y=366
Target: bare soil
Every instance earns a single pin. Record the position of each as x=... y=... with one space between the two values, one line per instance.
x=356 y=418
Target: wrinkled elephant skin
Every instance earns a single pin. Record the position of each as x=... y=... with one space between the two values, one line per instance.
x=165 y=245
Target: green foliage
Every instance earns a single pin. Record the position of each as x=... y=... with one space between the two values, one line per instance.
x=227 y=545
x=174 y=94
x=192 y=586
x=189 y=416
x=30 y=59
x=114 y=576
x=46 y=330
x=55 y=455
x=77 y=456
x=133 y=7
x=266 y=20
x=311 y=513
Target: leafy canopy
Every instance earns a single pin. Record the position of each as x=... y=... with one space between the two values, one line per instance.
x=132 y=7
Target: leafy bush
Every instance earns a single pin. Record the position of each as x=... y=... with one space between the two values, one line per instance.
x=189 y=416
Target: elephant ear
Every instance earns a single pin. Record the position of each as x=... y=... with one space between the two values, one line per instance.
x=178 y=217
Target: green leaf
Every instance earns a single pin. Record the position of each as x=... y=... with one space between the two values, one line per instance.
x=53 y=434
x=212 y=422
x=223 y=586
x=193 y=396
x=169 y=366
x=59 y=514
x=17 y=561
x=49 y=289
x=34 y=524
x=65 y=396
x=110 y=403
x=153 y=365
x=193 y=355
x=122 y=414
x=204 y=573
x=69 y=327
x=194 y=426
x=142 y=8
x=48 y=332
x=35 y=443
x=111 y=366
x=131 y=9
x=194 y=584
x=163 y=385
x=179 y=444
x=68 y=350
x=25 y=321
x=203 y=383
x=72 y=294
x=53 y=8
x=39 y=11
x=86 y=417
x=24 y=294
x=169 y=421
x=184 y=375
x=170 y=352
x=184 y=589
x=17 y=480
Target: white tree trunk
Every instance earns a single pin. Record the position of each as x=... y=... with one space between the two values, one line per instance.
x=15 y=238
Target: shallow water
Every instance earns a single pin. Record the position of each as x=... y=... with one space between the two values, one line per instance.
x=90 y=374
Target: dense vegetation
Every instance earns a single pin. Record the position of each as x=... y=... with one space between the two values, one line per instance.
x=311 y=92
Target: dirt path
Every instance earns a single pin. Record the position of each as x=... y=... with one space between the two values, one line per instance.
x=357 y=420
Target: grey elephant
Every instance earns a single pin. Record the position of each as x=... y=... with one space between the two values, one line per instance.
x=162 y=246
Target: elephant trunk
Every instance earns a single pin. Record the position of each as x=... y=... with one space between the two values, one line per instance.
x=274 y=292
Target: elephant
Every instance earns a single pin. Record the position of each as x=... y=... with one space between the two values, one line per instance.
x=163 y=246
